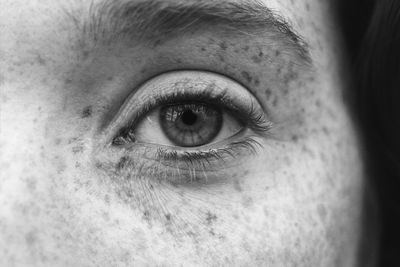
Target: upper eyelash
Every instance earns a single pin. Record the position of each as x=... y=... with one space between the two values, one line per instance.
x=252 y=118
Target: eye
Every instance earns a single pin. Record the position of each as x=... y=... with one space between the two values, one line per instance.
x=189 y=124
x=185 y=127
x=188 y=110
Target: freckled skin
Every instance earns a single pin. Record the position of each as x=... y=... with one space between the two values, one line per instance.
x=66 y=202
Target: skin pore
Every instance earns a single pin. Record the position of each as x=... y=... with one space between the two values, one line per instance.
x=69 y=196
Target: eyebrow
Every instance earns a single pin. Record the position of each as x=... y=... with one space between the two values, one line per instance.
x=160 y=20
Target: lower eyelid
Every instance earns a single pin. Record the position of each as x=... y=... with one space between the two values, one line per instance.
x=182 y=168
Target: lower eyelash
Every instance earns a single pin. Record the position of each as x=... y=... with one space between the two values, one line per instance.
x=217 y=158
x=174 y=167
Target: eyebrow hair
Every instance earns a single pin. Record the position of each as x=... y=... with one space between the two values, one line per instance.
x=160 y=20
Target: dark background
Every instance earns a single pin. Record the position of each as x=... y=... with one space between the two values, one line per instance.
x=355 y=17
x=373 y=88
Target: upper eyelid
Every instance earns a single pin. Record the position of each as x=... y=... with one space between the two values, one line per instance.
x=231 y=76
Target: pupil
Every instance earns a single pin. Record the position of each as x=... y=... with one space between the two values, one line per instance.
x=188 y=117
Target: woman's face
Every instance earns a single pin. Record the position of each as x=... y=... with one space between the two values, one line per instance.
x=175 y=132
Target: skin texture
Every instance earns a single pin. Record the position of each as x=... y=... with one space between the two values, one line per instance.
x=296 y=202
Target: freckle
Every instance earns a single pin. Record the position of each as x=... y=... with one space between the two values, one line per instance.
x=257 y=82
x=31 y=184
x=320 y=46
x=307 y=7
x=99 y=165
x=237 y=186
x=221 y=58
x=68 y=81
x=85 y=54
x=122 y=163
x=30 y=238
x=107 y=199
x=339 y=144
x=223 y=45
x=247 y=202
x=285 y=91
x=246 y=48
x=310 y=186
x=106 y=216
x=212 y=232
x=287 y=160
x=290 y=77
x=322 y=212
x=247 y=76
x=256 y=59
x=146 y=215
x=266 y=211
x=308 y=151
x=295 y=138
x=77 y=149
x=277 y=53
x=87 y=112
x=168 y=217
x=157 y=43
x=210 y=217
x=325 y=130
x=322 y=157
x=110 y=78
x=268 y=93
x=211 y=40
x=203 y=49
x=41 y=60
x=275 y=102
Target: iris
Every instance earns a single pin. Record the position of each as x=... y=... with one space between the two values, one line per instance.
x=191 y=124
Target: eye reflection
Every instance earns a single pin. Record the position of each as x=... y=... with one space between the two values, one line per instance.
x=189 y=125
